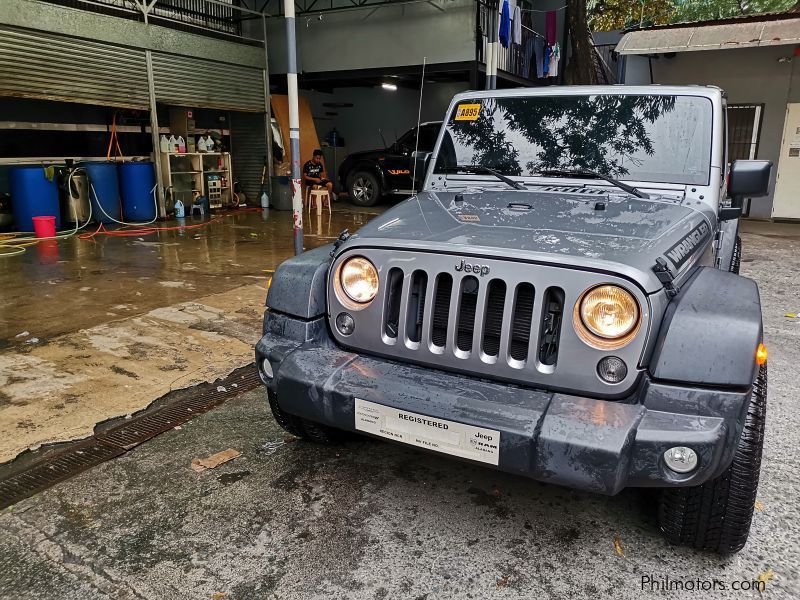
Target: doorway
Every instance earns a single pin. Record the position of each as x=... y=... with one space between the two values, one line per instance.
x=786 y=204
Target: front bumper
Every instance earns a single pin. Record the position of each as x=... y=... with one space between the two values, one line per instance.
x=584 y=443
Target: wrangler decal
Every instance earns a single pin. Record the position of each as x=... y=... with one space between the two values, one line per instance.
x=680 y=252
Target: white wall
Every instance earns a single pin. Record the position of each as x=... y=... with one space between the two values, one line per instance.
x=374 y=108
x=748 y=75
x=391 y=36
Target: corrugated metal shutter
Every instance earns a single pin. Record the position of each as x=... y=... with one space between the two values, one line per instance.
x=35 y=64
x=248 y=149
x=184 y=81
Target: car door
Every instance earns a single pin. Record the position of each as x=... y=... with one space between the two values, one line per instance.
x=399 y=163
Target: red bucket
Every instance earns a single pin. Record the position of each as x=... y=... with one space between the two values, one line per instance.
x=45 y=227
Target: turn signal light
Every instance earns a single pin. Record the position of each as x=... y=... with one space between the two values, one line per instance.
x=761 y=354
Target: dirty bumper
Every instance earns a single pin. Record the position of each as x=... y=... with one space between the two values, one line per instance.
x=579 y=442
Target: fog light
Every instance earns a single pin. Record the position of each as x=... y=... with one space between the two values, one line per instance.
x=681 y=459
x=612 y=369
x=345 y=324
x=266 y=367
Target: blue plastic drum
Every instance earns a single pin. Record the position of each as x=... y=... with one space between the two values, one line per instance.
x=104 y=191
x=33 y=195
x=136 y=182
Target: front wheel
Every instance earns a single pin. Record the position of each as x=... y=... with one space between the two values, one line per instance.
x=364 y=188
x=716 y=515
x=736 y=259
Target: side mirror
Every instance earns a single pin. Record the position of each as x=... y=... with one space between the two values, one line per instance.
x=421 y=161
x=748 y=178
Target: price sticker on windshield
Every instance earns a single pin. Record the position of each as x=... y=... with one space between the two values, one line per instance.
x=468 y=112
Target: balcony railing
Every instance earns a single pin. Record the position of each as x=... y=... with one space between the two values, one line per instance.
x=517 y=59
x=196 y=16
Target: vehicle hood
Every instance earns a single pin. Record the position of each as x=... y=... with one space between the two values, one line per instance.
x=621 y=234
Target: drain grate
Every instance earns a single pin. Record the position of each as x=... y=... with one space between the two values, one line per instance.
x=39 y=476
x=117 y=440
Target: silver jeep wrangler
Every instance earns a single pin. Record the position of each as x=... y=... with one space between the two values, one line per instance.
x=561 y=301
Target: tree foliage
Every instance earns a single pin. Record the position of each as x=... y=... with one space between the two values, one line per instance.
x=704 y=10
x=607 y=15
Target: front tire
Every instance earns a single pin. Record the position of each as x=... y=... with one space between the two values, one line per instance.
x=303 y=428
x=716 y=515
x=363 y=188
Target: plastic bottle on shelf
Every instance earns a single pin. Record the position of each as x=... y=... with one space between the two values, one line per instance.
x=181 y=145
x=201 y=144
x=173 y=144
x=164 y=143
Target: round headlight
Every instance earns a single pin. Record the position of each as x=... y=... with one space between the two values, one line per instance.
x=607 y=317
x=359 y=279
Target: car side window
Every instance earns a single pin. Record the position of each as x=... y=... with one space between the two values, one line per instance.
x=427 y=137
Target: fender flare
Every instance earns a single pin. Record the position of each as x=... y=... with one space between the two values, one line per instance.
x=298 y=285
x=710 y=332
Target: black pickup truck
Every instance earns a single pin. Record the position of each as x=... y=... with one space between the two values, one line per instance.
x=369 y=175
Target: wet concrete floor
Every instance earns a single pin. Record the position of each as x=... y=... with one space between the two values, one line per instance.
x=368 y=519
x=93 y=329
x=78 y=283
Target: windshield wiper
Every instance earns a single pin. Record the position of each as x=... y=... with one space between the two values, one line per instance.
x=592 y=175
x=481 y=169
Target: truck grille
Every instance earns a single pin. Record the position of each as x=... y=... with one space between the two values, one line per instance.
x=475 y=314
x=504 y=320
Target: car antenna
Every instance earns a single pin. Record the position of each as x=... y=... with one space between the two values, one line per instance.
x=419 y=118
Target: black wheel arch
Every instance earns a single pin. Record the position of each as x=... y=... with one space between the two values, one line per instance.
x=370 y=166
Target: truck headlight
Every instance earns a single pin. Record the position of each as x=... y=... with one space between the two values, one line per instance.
x=358 y=279
x=607 y=317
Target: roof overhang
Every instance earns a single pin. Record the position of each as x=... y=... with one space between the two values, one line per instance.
x=711 y=37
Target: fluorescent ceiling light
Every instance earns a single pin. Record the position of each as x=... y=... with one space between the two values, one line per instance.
x=389 y=86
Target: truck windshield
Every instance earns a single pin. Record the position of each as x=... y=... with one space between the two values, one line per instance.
x=653 y=138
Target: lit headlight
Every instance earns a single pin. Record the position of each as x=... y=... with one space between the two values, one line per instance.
x=607 y=317
x=358 y=279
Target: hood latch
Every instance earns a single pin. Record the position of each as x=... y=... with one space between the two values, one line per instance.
x=343 y=237
x=665 y=276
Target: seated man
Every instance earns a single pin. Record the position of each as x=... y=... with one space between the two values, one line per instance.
x=313 y=172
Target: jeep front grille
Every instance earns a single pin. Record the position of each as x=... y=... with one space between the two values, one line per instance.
x=476 y=314
x=507 y=320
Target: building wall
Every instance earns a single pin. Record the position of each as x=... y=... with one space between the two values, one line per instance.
x=375 y=108
x=748 y=75
x=392 y=36
x=44 y=16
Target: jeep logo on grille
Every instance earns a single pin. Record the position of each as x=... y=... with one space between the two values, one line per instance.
x=468 y=268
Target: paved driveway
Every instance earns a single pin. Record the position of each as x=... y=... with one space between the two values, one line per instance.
x=373 y=520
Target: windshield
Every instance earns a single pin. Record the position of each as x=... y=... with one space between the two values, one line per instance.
x=653 y=138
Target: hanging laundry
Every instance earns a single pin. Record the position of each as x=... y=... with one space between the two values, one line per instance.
x=528 y=56
x=555 y=55
x=517 y=26
x=548 y=51
x=538 y=50
x=550 y=27
x=505 y=24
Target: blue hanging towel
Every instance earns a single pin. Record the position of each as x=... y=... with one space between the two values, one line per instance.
x=505 y=25
x=546 y=65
